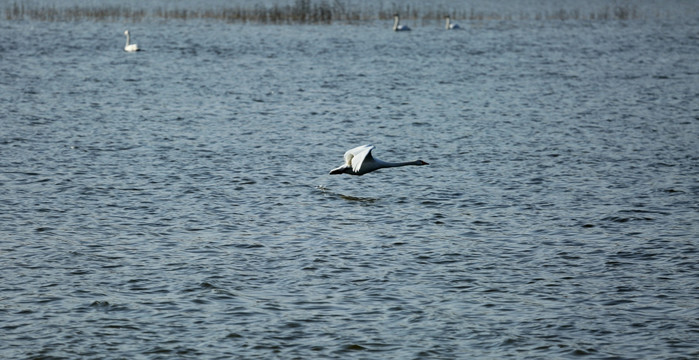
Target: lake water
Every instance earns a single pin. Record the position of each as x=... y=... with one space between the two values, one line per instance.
x=176 y=202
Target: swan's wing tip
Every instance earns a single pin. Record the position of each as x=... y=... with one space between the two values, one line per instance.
x=338 y=170
x=359 y=149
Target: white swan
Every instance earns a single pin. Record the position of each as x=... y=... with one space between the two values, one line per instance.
x=358 y=161
x=396 y=27
x=130 y=47
x=451 y=26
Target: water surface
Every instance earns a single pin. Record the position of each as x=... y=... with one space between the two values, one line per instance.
x=175 y=202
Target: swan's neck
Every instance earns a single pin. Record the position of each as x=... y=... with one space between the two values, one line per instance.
x=128 y=39
x=395 y=23
x=448 y=21
x=386 y=164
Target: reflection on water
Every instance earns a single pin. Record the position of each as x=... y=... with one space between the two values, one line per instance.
x=329 y=192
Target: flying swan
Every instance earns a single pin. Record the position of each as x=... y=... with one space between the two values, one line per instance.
x=358 y=161
x=396 y=27
x=130 y=47
x=451 y=26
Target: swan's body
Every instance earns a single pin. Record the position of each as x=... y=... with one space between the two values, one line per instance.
x=451 y=26
x=358 y=161
x=130 y=47
x=397 y=26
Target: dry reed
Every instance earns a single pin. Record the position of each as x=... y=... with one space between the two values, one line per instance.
x=301 y=12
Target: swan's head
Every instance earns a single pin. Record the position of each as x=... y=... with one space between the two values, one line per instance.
x=126 y=32
x=395 y=16
x=420 y=163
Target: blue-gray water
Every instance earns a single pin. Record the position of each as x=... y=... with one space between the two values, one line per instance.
x=175 y=203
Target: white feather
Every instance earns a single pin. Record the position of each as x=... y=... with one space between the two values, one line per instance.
x=359 y=161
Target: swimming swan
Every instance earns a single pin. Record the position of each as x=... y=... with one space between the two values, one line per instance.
x=396 y=27
x=358 y=161
x=451 y=26
x=130 y=47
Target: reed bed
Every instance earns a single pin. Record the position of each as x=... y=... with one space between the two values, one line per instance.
x=300 y=12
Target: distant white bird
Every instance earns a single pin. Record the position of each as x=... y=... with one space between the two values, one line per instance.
x=358 y=161
x=130 y=47
x=396 y=26
x=451 y=26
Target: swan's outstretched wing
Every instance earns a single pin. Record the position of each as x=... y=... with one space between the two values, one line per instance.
x=355 y=157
